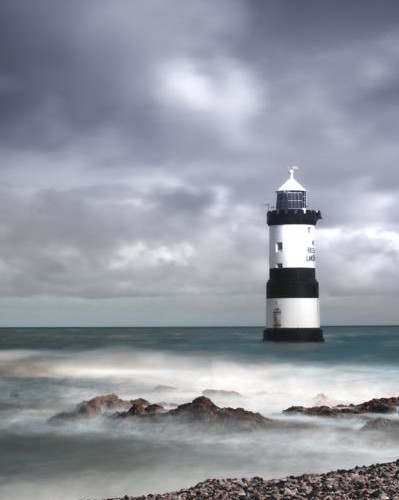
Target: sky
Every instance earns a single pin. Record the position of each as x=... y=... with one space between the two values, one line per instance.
x=141 y=140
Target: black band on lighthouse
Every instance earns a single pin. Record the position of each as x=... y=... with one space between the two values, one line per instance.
x=293 y=334
x=292 y=282
x=280 y=217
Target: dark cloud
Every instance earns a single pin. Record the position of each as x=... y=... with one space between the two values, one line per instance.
x=76 y=70
x=315 y=25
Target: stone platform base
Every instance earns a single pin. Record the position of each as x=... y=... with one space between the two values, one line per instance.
x=293 y=334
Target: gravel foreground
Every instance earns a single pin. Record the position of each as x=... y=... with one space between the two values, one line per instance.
x=379 y=481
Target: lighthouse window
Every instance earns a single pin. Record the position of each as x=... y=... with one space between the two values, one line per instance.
x=287 y=200
x=279 y=246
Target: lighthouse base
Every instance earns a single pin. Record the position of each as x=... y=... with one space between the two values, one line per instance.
x=293 y=334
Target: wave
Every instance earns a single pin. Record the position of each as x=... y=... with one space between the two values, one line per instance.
x=266 y=386
x=98 y=459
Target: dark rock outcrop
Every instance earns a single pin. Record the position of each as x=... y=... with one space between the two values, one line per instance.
x=108 y=403
x=138 y=406
x=154 y=408
x=381 y=405
x=321 y=411
x=202 y=410
x=141 y=408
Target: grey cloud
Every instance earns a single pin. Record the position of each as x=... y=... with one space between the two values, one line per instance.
x=80 y=69
x=64 y=241
x=313 y=26
x=358 y=264
x=183 y=201
x=83 y=84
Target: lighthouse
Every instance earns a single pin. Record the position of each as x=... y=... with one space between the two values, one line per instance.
x=292 y=292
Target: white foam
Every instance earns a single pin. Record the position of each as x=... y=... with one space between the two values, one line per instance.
x=133 y=459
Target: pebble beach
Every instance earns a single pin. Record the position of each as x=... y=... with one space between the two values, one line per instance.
x=378 y=481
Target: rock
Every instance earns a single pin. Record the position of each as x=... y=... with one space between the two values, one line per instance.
x=381 y=405
x=202 y=410
x=100 y=404
x=321 y=411
x=168 y=405
x=88 y=409
x=138 y=407
x=385 y=424
x=155 y=408
x=141 y=408
x=197 y=405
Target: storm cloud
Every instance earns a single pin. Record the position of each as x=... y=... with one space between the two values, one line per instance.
x=140 y=141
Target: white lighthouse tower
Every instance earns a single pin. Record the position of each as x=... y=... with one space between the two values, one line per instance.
x=292 y=292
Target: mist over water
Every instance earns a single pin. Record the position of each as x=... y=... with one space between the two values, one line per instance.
x=45 y=371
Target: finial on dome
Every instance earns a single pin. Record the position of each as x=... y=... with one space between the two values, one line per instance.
x=291 y=184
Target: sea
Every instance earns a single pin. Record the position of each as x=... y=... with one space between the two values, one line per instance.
x=48 y=370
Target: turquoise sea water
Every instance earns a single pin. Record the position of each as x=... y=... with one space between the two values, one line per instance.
x=48 y=370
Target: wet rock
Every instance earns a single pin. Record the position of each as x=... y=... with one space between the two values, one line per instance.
x=141 y=408
x=154 y=408
x=200 y=405
x=138 y=406
x=385 y=424
x=202 y=410
x=321 y=411
x=168 y=405
x=100 y=404
x=381 y=405
x=107 y=403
